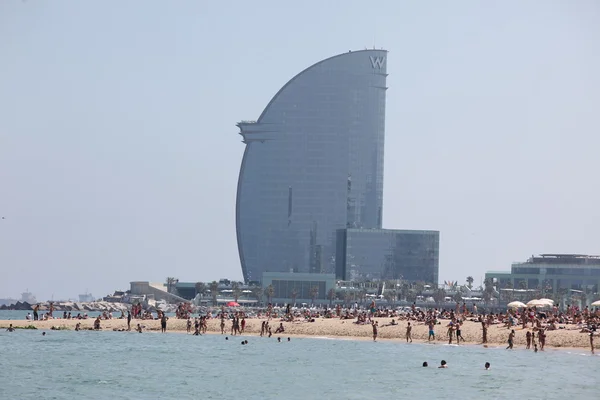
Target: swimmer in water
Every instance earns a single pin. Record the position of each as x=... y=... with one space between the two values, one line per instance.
x=425 y=364
x=11 y=329
x=443 y=364
x=487 y=366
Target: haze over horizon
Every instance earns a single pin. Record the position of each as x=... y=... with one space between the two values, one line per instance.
x=119 y=154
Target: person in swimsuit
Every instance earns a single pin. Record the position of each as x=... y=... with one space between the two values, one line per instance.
x=163 y=323
x=11 y=329
x=374 y=323
x=592 y=341
x=511 y=338
x=458 y=333
x=408 y=333
x=431 y=331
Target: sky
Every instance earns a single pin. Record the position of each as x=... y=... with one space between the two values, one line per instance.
x=119 y=154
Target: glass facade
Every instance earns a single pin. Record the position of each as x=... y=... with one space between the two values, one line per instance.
x=313 y=164
x=302 y=284
x=378 y=254
x=552 y=272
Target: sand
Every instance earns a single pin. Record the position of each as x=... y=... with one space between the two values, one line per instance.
x=569 y=337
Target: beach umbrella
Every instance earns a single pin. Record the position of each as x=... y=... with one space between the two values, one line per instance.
x=549 y=301
x=232 y=304
x=596 y=303
x=516 y=304
x=538 y=303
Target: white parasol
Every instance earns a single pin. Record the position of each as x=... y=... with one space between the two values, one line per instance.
x=516 y=304
x=538 y=303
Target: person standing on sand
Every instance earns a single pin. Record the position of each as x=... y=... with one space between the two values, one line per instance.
x=163 y=323
x=35 y=312
x=374 y=324
x=458 y=333
x=511 y=338
x=592 y=341
x=189 y=325
x=408 y=333
x=542 y=339
x=484 y=332
x=528 y=339
x=128 y=320
x=431 y=331
x=450 y=327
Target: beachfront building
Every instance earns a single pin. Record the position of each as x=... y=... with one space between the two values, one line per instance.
x=387 y=254
x=290 y=287
x=313 y=164
x=551 y=274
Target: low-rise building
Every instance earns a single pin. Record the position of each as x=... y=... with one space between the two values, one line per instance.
x=551 y=273
x=301 y=287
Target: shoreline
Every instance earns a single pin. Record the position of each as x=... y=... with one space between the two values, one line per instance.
x=334 y=328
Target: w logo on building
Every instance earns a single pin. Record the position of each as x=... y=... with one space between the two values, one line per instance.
x=377 y=62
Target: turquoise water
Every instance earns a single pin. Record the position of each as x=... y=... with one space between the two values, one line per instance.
x=127 y=365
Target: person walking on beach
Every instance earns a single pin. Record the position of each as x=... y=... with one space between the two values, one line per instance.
x=458 y=333
x=375 y=324
x=189 y=325
x=128 y=320
x=408 y=333
x=511 y=338
x=163 y=323
x=35 y=312
x=592 y=341
x=528 y=339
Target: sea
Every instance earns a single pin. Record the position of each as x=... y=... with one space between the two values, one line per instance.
x=129 y=365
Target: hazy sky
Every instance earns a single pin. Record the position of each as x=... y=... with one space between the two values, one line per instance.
x=119 y=154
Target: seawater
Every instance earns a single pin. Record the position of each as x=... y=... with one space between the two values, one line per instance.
x=128 y=365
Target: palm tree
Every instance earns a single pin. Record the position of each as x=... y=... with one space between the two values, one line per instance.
x=362 y=295
x=200 y=288
x=314 y=293
x=331 y=296
x=236 y=291
x=389 y=296
x=214 y=291
x=458 y=297
x=470 y=281
x=439 y=296
x=171 y=283
x=257 y=293
x=347 y=297
x=488 y=290
x=294 y=295
x=270 y=292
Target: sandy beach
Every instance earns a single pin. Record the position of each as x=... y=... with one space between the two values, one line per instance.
x=569 y=337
